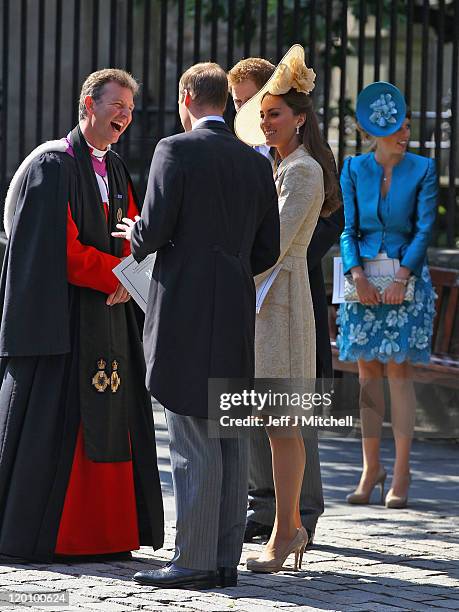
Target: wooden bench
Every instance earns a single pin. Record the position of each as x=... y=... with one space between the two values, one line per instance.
x=443 y=368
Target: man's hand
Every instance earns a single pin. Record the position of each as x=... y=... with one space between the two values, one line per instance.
x=126 y=228
x=394 y=294
x=119 y=296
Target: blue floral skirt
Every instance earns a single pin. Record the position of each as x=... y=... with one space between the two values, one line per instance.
x=387 y=332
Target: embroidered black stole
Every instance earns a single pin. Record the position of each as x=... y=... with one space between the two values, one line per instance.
x=103 y=338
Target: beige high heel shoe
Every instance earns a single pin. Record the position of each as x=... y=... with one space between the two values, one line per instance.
x=364 y=498
x=297 y=545
x=397 y=501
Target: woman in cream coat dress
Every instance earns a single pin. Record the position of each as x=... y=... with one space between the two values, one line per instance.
x=285 y=330
x=285 y=338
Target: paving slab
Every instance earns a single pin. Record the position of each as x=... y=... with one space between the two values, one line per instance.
x=365 y=558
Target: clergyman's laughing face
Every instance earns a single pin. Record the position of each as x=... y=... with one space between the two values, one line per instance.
x=109 y=116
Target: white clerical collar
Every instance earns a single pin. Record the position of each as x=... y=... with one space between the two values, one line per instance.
x=208 y=118
x=97 y=152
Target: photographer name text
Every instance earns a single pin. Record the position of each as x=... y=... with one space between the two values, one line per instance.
x=287 y=421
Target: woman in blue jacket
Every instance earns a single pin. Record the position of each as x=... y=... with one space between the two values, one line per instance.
x=390 y=200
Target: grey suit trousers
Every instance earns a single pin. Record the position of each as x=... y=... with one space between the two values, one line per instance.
x=262 y=503
x=210 y=487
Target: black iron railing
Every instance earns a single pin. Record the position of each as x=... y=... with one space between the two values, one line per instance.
x=49 y=46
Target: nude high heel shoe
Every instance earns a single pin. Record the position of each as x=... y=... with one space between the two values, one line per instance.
x=297 y=545
x=397 y=501
x=364 y=498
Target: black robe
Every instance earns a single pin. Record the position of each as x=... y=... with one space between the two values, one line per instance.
x=49 y=353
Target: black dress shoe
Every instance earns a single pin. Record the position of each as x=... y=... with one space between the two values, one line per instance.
x=253 y=529
x=173 y=577
x=226 y=576
x=310 y=539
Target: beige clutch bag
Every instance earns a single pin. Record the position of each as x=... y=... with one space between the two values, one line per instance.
x=381 y=283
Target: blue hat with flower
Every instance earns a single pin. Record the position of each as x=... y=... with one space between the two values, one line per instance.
x=381 y=109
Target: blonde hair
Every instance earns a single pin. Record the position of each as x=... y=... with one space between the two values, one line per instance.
x=96 y=81
x=370 y=141
x=206 y=83
x=255 y=69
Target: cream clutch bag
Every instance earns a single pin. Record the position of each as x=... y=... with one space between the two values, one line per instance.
x=381 y=283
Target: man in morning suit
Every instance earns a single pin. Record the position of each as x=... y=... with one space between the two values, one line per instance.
x=211 y=215
x=246 y=78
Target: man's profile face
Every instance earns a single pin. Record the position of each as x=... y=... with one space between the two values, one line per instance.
x=242 y=92
x=109 y=116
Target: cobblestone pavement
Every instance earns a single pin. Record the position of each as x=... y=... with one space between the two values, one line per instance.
x=365 y=558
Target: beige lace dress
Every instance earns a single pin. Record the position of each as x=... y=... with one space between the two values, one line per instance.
x=285 y=330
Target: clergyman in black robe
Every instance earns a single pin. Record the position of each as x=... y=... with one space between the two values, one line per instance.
x=78 y=467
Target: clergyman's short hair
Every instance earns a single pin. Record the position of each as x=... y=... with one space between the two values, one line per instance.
x=255 y=69
x=206 y=83
x=95 y=82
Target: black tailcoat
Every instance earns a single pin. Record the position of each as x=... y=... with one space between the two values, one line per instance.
x=211 y=214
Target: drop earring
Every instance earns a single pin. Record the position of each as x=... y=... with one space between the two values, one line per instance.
x=298 y=130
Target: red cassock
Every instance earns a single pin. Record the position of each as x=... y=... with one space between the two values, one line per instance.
x=99 y=514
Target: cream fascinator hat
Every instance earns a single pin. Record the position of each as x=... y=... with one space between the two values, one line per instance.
x=290 y=72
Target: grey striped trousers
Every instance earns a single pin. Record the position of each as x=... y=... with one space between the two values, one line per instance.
x=210 y=487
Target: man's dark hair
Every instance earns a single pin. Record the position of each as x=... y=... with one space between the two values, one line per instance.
x=206 y=83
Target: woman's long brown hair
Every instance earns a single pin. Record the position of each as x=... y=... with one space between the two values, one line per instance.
x=317 y=148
